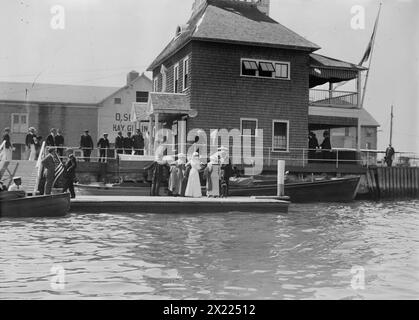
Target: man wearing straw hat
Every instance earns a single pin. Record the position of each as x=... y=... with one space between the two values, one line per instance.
x=30 y=143
x=17 y=185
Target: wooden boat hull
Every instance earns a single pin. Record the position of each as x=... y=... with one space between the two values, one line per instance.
x=39 y=206
x=338 y=190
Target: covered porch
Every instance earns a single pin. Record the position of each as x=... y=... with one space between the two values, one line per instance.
x=168 y=111
x=325 y=73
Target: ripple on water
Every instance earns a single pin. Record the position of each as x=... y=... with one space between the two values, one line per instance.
x=309 y=254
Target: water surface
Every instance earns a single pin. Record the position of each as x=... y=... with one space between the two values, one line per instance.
x=363 y=250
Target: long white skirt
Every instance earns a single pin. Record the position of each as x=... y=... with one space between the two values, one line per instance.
x=193 y=189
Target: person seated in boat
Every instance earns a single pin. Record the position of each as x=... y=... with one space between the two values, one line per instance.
x=2 y=187
x=17 y=185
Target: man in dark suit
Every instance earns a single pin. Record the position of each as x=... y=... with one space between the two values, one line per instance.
x=103 y=146
x=128 y=143
x=51 y=138
x=86 y=144
x=59 y=143
x=70 y=173
x=138 y=141
x=119 y=143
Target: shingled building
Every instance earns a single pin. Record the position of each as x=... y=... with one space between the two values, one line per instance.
x=232 y=66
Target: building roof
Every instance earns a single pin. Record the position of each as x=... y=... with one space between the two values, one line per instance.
x=367 y=120
x=234 y=22
x=53 y=93
x=325 y=69
x=168 y=103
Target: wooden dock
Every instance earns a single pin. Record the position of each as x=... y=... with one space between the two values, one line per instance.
x=172 y=205
x=393 y=183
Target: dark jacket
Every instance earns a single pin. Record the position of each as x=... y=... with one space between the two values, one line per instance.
x=119 y=142
x=326 y=145
x=59 y=140
x=48 y=162
x=86 y=142
x=103 y=143
x=128 y=142
x=138 y=140
x=29 y=140
x=50 y=141
x=6 y=138
x=70 y=167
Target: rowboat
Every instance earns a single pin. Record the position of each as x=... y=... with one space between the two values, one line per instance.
x=16 y=205
x=332 y=190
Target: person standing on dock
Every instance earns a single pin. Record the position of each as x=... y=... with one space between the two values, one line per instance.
x=128 y=143
x=30 y=144
x=193 y=189
x=119 y=143
x=157 y=174
x=50 y=142
x=138 y=143
x=86 y=144
x=326 y=145
x=7 y=152
x=103 y=146
x=59 y=143
x=48 y=164
x=181 y=172
x=70 y=173
x=212 y=175
x=390 y=152
x=313 y=145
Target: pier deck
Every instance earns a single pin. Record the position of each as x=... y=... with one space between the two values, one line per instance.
x=172 y=205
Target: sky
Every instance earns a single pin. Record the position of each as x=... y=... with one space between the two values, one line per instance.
x=100 y=41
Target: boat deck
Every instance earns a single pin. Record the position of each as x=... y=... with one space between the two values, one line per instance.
x=130 y=204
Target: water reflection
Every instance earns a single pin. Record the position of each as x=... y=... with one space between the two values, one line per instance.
x=307 y=254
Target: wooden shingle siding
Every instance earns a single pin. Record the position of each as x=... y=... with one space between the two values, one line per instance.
x=222 y=96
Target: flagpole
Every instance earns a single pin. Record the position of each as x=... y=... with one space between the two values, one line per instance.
x=371 y=56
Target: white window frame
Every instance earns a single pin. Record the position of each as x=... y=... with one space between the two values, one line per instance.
x=258 y=61
x=156 y=84
x=22 y=128
x=249 y=119
x=186 y=63
x=176 y=78
x=288 y=135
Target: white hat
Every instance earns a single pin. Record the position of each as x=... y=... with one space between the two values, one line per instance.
x=17 y=178
x=181 y=155
x=195 y=154
x=222 y=148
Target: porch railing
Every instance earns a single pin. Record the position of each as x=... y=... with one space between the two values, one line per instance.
x=327 y=98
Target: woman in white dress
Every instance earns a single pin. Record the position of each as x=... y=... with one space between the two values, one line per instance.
x=193 y=189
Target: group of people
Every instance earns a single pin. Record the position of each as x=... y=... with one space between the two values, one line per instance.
x=184 y=177
x=131 y=144
x=319 y=151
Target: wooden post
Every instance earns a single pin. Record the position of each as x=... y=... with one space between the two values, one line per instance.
x=182 y=136
x=281 y=178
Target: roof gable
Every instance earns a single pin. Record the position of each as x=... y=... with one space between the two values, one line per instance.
x=234 y=22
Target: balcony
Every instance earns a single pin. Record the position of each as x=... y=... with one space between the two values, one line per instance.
x=333 y=98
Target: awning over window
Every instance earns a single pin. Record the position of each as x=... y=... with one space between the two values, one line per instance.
x=324 y=69
x=250 y=65
x=267 y=67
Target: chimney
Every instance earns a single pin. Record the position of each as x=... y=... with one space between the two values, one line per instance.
x=132 y=76
x=263 y=6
